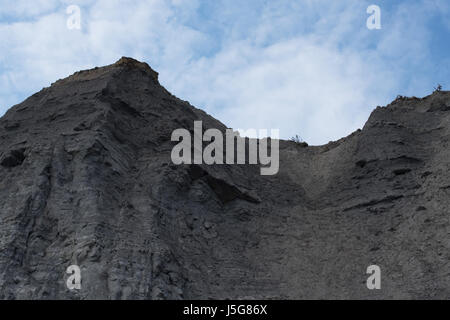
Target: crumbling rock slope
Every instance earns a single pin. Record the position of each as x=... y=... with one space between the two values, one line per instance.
x=86 y=178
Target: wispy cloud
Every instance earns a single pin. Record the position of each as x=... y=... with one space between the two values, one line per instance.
x=306 y=67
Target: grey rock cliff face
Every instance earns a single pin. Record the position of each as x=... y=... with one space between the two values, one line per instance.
x=86 y=178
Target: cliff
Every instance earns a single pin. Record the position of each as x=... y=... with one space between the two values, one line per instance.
x=86 y=178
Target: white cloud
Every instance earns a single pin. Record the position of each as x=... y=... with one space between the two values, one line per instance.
x=298 y=86
x=306 y=67
x=25 y=9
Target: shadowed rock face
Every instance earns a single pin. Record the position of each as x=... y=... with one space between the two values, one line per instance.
x=86 y=178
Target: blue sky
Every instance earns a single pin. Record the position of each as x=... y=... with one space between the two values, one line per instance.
x=307 y=67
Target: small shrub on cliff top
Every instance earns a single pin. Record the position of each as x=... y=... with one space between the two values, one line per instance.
x=298 y=140
x=438 y=88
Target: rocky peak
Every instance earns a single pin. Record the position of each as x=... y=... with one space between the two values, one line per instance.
x=86 y=179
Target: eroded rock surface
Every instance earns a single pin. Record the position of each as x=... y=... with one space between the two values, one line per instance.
x=86 y=178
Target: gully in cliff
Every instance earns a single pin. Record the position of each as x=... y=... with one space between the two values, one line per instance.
x=213 y=153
